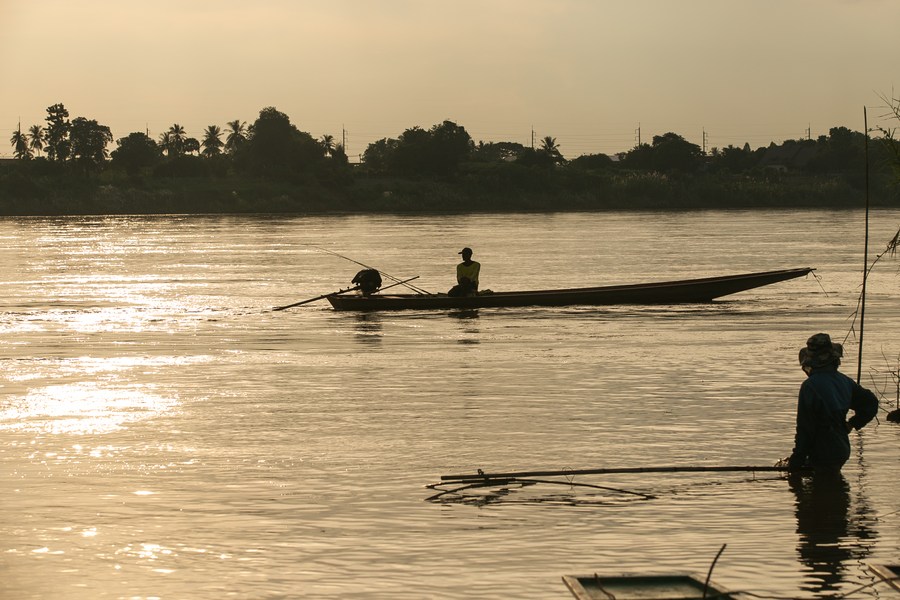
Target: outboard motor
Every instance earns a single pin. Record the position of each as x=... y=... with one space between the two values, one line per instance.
x=368 y=280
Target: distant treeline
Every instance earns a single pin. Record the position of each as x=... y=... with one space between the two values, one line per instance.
x=63 y=167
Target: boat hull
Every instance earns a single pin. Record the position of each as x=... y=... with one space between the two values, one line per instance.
x=687 y=291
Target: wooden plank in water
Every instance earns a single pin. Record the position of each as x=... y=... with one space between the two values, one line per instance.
x=890 y=574
x=480 y=476
x=675 y=586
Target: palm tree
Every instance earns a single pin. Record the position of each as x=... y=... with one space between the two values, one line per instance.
x=327 y=143
x=177 y=136
x=212 y=142
x=549 y=145
x=237 y=135
x=19 y=142
x=36 y=138
x=165 y=142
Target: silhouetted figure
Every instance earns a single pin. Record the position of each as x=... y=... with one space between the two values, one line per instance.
x=822 y=440
x=368 y=280
x=466 y=275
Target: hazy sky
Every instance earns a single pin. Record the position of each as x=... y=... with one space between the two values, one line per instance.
x=587 y=72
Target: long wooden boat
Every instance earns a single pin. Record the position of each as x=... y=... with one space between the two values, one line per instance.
x=677 y=586
x=665 y=292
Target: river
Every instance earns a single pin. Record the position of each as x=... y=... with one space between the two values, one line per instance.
x=164 y=434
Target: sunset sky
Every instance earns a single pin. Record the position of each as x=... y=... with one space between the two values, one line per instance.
x=588 y=72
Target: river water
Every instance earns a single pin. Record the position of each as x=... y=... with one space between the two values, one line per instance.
x=163 y=434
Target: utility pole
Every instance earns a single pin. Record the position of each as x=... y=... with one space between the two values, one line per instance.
x=532 y=137
x=638 y=133
x=808 y=132
x=705 y=139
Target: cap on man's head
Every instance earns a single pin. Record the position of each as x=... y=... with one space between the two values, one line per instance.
x=465 y=251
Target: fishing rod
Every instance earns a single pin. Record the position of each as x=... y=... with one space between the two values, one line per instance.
x=416 y=289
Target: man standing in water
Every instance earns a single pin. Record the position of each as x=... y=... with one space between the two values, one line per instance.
x=466 y=275
x=822 y=440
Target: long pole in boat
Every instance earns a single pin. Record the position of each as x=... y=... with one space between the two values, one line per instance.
x=337 y=293
x=862 y=307
x=416 y=289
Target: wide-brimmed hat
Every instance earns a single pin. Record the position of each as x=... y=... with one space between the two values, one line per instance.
x=820 y=351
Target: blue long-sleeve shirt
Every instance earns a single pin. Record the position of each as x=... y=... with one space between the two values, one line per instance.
x=822 y=439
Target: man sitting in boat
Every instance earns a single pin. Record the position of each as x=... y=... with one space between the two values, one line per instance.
x=466 y=275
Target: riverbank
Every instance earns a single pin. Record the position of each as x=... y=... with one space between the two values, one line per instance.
x=510 y=190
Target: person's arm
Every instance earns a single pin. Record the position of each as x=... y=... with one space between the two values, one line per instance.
x=864 y=405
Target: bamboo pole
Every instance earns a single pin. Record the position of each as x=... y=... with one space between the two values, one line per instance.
x=862 y=307
x=481 y=476
x=337 y=293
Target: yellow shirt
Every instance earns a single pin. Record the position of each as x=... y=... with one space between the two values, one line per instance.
x=469 y=271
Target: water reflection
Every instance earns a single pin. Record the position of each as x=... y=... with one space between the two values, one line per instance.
x=369 y=328
x=467 y=318
x=464 y=313
x=826 y=542
x=81 y=408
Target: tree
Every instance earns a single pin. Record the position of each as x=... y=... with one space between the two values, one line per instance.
x=165 y=143
x=327 y=142
x=733 y=159
x=592 y=162
x=172 y=141
x=450 y=144
x=669 y=152
x=36 y=138
x=410 y=155
x=57 y=133
x=377 y=155
x=842 y=151
x=88 y=144
x=276 y=147
x=212 y=141
x=438 y=151
x=339 y=155
x=19 y=142
x=551 y=149
x=640 y=157
x=497 y=151
x=237 y=135
x=673 y=152
x=135 y=152
x=191 y=146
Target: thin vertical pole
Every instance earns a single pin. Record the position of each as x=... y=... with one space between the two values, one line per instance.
x=862 y=304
